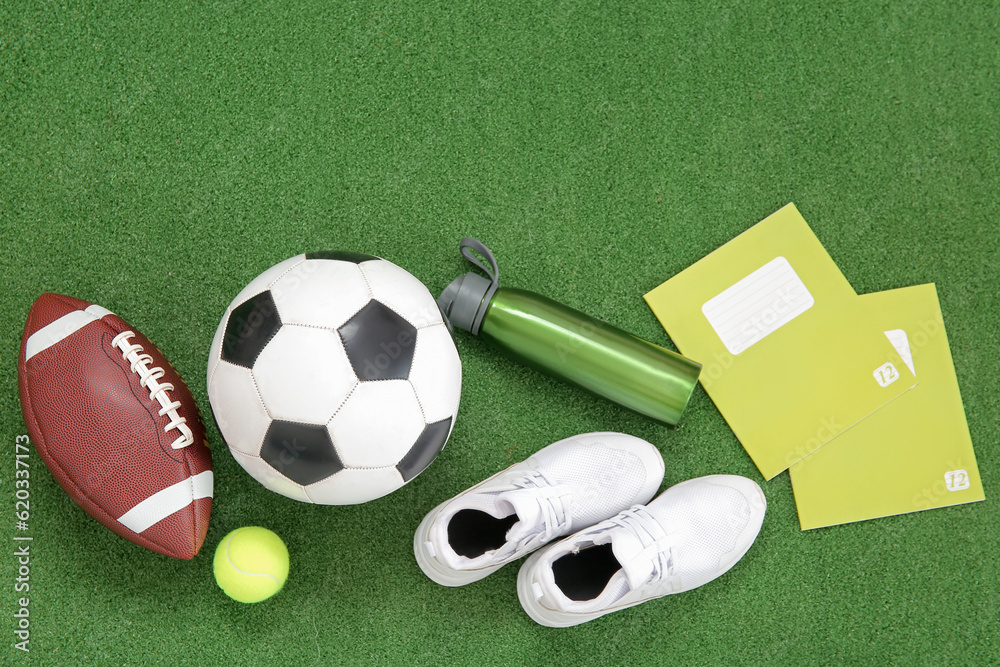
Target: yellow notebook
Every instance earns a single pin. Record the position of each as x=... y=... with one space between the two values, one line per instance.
x=790 y=357
x=915 y=453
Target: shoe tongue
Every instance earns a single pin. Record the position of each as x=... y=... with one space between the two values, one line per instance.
x=630 y=554
x=523 y=503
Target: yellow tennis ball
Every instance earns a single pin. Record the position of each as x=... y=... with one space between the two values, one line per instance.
x=251 y=564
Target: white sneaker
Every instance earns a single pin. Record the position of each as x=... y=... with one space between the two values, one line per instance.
x=692 y=533
x=566 y=486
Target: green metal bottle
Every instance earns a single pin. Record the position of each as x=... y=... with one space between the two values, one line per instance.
x=568 y=344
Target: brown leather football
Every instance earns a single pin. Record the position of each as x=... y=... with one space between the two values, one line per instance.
x=116 y=425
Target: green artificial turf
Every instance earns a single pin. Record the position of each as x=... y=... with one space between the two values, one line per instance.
x=155 y=157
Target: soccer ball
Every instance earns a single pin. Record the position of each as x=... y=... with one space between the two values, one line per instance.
x=333 y=378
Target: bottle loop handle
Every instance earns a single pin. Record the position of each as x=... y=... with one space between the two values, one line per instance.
x=468 y=245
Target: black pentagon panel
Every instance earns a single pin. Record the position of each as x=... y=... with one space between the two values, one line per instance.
x=251 y=327
x=303 y=453
x=379 y=343
x=425 y=449
x=342 y=255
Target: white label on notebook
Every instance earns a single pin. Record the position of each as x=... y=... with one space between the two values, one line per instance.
x=758 y=305
x=885 y=374
x=957 y=480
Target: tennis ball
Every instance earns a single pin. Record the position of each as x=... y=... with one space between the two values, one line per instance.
x=251 y=564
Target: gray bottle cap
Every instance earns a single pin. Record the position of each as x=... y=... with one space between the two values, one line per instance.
x=465 y=300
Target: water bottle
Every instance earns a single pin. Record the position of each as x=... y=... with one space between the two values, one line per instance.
x=568 y=344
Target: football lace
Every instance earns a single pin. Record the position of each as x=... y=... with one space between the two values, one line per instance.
x=149 y=378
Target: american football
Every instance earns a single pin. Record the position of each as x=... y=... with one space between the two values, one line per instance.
x=334 y=378
x=116 y=425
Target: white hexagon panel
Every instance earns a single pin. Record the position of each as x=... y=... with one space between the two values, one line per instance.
x=238 y=409
x=303 y=374
x=320 y=293
x=354 y=485
x=378 y=424
x=436 y=373
x=403 y=293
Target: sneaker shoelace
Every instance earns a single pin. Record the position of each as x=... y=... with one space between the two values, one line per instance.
x=553 y=510
x=657 y=544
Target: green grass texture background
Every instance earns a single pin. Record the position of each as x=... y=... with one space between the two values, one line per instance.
x=155 y=157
